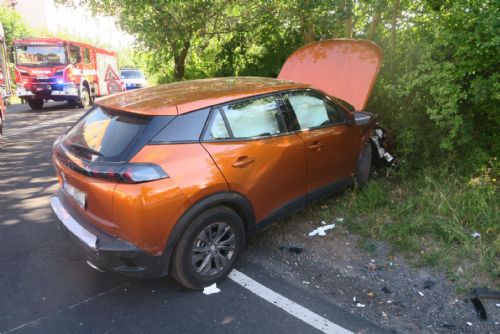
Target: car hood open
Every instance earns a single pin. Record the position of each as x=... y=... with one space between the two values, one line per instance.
x=343 y=68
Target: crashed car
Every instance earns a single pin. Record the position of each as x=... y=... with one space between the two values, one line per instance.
x=174 y=178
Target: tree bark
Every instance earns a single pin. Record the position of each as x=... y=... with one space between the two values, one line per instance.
x=348 y=18
x=373 y=26
x=307 y=30
x=180 y=61
x=394 y=25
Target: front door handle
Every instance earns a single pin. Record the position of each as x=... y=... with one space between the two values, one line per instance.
x=243 y=162
x=315 y=146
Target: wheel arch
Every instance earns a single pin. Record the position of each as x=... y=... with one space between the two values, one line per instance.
x=235 y=201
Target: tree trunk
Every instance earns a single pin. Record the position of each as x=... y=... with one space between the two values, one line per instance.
x=307 y=30
x=348 y=18
x=395 y=14
x=180 y=62
x=373 y=26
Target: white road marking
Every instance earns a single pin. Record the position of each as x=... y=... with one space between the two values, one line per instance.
x=298 y=311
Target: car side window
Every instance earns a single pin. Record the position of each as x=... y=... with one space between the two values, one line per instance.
x=217 y=128
x=336 y=113
x=312 y=110
x=254 y=118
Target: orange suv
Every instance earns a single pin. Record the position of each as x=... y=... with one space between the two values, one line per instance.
x=174 y=178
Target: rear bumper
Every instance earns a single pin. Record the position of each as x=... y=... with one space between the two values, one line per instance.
x=103 y=250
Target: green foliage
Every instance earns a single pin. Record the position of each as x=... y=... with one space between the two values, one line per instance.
x=13 y=24
x=432 y=216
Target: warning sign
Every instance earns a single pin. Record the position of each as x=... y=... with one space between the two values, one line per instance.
x=111 y=75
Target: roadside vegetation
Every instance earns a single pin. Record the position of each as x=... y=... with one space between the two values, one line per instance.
x=438 y=94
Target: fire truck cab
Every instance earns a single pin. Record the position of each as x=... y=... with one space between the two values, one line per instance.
x=62 y=70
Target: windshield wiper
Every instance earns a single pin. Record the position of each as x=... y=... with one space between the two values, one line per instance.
x=85 y=148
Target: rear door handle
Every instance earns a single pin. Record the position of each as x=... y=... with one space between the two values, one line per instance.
x=315 y=146
x=243 y=162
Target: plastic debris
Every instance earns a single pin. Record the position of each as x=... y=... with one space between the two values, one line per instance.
x=354 y=299
x=384 y=315
x=360 y=305
x=497 y=305
x=428 y=284
x=211 y=289
x=386 y=290
x=292 y=249
x=321 y=230
x=480 y=310
x=469 y=323
x=476 y=235
x=421 y=294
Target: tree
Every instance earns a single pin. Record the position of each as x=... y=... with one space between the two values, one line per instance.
x=165 y=27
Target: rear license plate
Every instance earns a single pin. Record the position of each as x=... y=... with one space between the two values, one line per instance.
x=77 y=195
x=42 y=77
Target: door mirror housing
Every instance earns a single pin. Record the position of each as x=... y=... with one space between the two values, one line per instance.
x=362 y=118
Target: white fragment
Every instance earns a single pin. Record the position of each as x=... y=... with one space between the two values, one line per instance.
x=389 y=302
x=211 y=289
x=469 y=323
x=354 y=299
x=372 y=261
x=323 y=222
x=360 y=305
x=306 y=282
x=476 y=235
x=420 y=293
x=497 y=305
x=340 y=220
x=321 y=230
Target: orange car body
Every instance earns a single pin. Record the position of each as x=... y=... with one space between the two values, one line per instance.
x=262 y=178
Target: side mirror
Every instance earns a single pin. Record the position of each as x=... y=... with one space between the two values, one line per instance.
x=362 y=118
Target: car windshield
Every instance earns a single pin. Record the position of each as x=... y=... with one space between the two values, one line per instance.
x=132 y=75
x=40 y=55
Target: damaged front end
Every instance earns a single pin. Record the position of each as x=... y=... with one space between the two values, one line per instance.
x=378 y=138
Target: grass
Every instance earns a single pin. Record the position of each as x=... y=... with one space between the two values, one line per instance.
x=431 y=219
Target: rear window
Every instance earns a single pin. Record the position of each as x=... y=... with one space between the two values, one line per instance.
x=105 y=135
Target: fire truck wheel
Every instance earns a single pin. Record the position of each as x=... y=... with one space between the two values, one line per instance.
x=35 y=104
x=84 y=98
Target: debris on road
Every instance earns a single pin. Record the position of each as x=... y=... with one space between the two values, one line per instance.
x=360 y=305
x=421 y=293
x=428 y=284
x=386 y=290
x=321 y=230
x=372 y=266
x=469 y=323
x=295 y=250
x=211 y=289
x=476 y=235
x=481 y=311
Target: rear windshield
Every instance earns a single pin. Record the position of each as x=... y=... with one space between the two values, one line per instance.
x=127 y=74
x=105 y=135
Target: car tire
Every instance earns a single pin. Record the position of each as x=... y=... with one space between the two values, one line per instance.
x=215 y=238
x=35 y=104
x=364 y=165
x=84 y=101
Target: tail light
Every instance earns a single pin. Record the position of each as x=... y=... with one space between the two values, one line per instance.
x=117 y=172
x=127 y=173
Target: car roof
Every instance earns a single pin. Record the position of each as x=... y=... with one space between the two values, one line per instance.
x=185 y=96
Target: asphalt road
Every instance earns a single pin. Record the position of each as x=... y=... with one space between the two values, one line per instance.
x=46 y=287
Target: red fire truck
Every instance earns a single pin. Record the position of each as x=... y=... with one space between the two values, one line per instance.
x=4 y=79
x=62 y=70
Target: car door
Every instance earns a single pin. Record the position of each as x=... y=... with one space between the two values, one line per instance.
x=249 y=142
x=331 y=142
